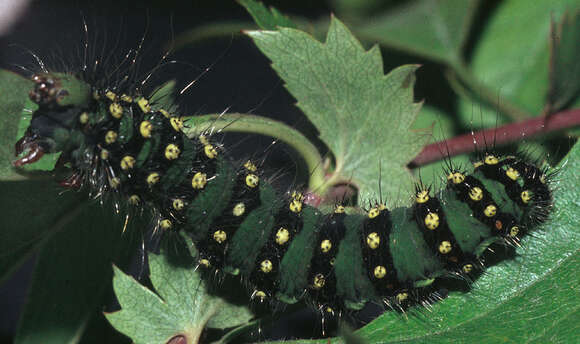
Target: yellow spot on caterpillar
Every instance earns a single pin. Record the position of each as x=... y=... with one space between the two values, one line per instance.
x=490 y=210
x=134 y=200
x=114 y=182
x=266 y=266
x=126 y=98
x=110 y=137
x=295 y=206
x=172 y=152
x=84 y=118
x=127 y=162
x=153 y=178
x=176 y=123
x=145 y=128
x=329 y=310
x=96 y=95
x=332 y=261
x=431 y=221
x=512 y=173
x=259 y=295
x=543 y=179
x=467 y=268
x=526 y=196
x=282 y=236
x=165 y=113
x=373 y=240
x=203 y=139
x=318 y=281
x=296 y=202
x=204 y=262
x=199 y=180
x=401 y=297
x=514 y=231
x=477 y=164
x=491 y=160
x=104 y=154
x=456 y=177
x=239 y=209
x=116 y=110
x=219 y=236
x=144 y=105
x=445 y=247
x=475 y=193
x=165 y=224
x=422 y=196
x=339 y=209
x=112 y=96
x=210 y=151
x=380 y=271
x=249 y=165
x=325 y=245
x=178 y=204
x=252 y=180
x=374 y=212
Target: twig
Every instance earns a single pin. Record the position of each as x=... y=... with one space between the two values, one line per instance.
x=499 y=136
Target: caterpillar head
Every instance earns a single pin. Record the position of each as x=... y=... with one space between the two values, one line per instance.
x=61 y=99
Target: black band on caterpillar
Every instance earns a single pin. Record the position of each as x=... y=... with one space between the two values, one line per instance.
x=285 y=249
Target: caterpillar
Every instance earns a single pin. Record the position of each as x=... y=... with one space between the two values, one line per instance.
x=124 y=145
x=120 y=143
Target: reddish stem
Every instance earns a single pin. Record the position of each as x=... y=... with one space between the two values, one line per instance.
x=480 y=140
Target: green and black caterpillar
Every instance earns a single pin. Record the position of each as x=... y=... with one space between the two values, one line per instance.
x=117 y=142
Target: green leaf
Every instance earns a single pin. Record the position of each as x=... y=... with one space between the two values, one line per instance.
x=183 y=305
x=564 y=62
x=512 y=55
x=34 y=216
x=532 y=298
x=362 y=115
x=13 y=100
x=267 y=20
x=431 y=28
x=72 y=274
x=16 y=108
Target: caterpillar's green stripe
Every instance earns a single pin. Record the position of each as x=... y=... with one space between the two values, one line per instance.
x=285 y=249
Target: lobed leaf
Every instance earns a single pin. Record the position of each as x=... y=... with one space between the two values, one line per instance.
x=363 y=116
x=183 y=306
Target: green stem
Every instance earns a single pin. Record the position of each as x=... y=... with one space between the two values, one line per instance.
x=245 y=123
x=209 y=31
x=486 y=95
